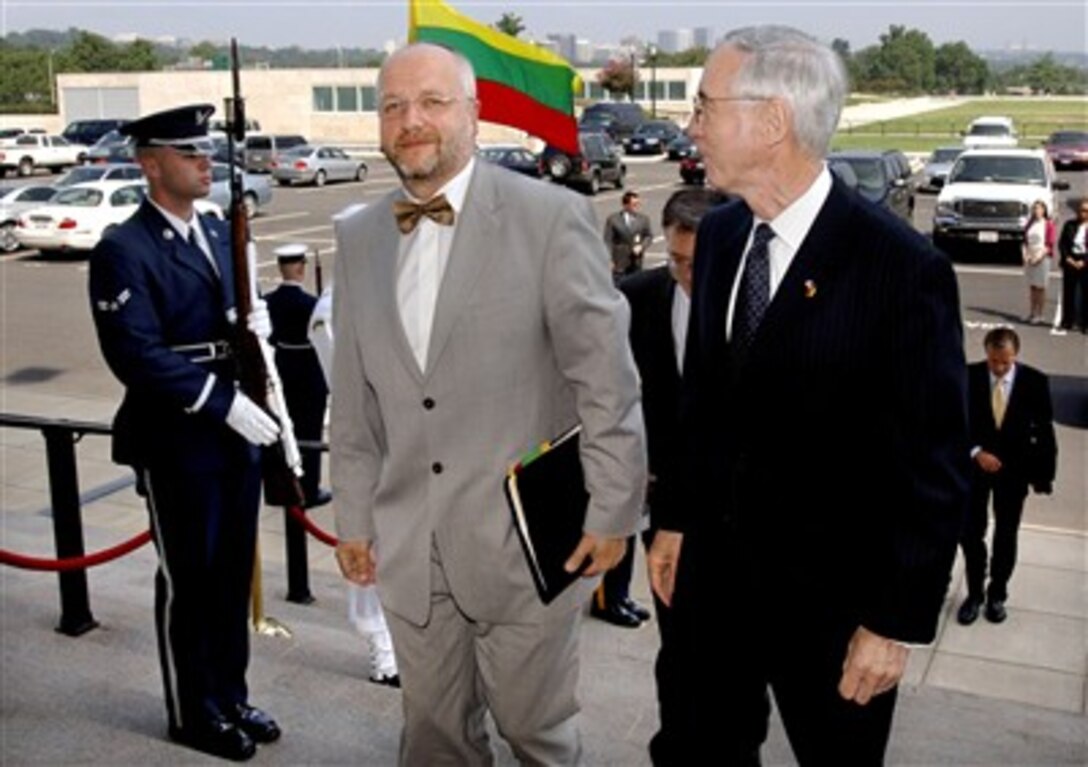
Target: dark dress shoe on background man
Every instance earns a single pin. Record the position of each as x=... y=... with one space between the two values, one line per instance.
x=320 y=498
x=635 y=609
x=217 y=737
x=256 y=724
x=968 y=612
x=617 y=615
x=995 y=611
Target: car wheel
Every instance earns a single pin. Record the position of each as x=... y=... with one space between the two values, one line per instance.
x=595 y=182
x=283 y=181
x=559 y=166
x=621 y=179
x=26 y=166
x=249 y=202
x=360 y=172
x=319 y=178
x=8 y=242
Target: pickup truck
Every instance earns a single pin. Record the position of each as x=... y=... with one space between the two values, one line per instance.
x=989 y=194
x=30 y=151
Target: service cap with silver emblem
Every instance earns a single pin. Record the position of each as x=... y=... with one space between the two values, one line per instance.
x=185 y=129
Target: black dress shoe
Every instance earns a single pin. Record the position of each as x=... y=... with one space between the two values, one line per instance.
x=388 y=680
x=635 y=609
x=217 y=737
x=995 y=610
x=320 y=498
x=968 y=612
x=256 y=723
x=617 y=615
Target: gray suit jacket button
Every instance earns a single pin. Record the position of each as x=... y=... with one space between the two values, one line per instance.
x=436 y=467
x=428 y=404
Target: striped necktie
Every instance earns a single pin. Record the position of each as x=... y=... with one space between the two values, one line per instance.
x=755 y=292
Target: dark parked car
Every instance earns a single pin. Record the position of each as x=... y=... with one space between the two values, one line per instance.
x=515 y=158
x=881 y=179
x=598 y=163
x=652 y=137
x=111 y=148
x=1068 y=148
x=621 y=118
x=692 y=168
x=681 y=147
x=87 y=132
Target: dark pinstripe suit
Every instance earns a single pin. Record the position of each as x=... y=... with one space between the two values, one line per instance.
x=823 y=484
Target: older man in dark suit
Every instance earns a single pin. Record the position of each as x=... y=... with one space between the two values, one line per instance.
x=821 y=492
x=1012 y=447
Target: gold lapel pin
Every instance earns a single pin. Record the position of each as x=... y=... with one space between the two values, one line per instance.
x=810 y=289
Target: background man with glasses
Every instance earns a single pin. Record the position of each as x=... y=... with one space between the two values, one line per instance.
x=474 y=318
x=820 y=493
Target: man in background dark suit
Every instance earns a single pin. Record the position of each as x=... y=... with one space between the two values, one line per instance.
x=1013 y=446
x=627 y=234
x=290 y=307
x=820 y=495
x=660 y=302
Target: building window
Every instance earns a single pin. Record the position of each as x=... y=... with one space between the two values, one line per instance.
x=323 y=99
x=596 y=91
x=347 y=99
x=678 y=90
x=658 y=89
x=370 y=98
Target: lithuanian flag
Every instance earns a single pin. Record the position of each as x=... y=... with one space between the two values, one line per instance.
x=518 y=84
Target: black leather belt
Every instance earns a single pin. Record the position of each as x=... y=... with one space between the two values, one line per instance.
x=209 y=351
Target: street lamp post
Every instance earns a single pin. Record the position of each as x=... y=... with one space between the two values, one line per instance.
x=653 y=81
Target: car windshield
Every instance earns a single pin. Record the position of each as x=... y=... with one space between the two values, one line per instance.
x=111 y=139
x=945 y=155
x=656 y=130
x=870 y=173
x=990 y=130
x=1069 y=137
x=299 y=151
x=1005 y=170
x=80 y=198
x=80 y=175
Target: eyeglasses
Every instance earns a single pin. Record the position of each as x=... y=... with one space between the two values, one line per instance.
x=700 y=103
x=430 y=104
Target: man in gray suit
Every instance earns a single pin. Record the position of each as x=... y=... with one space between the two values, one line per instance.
x=474 y=318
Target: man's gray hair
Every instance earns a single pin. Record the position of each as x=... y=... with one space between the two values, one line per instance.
x=785 y=63
x=465 y=72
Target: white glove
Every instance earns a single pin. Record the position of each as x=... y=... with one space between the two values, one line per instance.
x=258 y=321
x=251 y=422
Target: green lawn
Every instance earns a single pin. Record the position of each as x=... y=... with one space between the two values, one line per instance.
x=1035 y=120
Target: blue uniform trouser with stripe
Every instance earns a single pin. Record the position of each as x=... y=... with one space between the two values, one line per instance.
x=204 y=524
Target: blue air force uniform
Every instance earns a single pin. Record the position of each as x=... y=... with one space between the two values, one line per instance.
x=164 y=311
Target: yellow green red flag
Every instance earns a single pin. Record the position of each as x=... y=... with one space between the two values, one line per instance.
x=518 y=84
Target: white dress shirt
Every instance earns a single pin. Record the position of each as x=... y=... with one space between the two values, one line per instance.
x=421 y=264
x=791 y=226
x=681 y=311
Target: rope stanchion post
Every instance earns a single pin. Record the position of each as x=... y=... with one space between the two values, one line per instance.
x=75 y=606
x=298 y=567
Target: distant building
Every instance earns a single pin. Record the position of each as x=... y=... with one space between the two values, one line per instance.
x=674 y=40
x=704 y=37
x=583 y=52
x=564 y=45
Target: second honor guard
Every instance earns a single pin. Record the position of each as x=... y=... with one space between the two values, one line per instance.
x=304 y=387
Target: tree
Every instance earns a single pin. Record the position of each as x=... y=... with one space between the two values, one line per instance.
x=90 y=53
x=137 y=56
x=841 y=47
x=204 y=51
x=619 y=76
x=958 y=69
x=510 y=24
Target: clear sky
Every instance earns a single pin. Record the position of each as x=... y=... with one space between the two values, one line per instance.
x=1058 y=25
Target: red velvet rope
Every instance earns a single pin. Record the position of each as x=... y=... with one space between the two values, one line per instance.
x=311 y=527
x=74 y=563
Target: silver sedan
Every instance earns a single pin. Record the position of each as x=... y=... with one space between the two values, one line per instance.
x=256 y=191
x=316 y=165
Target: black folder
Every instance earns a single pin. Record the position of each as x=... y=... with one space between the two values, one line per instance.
x=548 y=499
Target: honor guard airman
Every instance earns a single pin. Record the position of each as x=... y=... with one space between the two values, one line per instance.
x=290 y=307
x=161 y=291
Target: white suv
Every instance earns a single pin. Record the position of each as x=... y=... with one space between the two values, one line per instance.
x=989 y=194
x=990 y=131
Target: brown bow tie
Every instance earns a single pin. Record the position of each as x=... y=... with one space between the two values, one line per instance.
x=408 y=213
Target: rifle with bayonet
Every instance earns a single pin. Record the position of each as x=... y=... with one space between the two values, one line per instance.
x=257 y=374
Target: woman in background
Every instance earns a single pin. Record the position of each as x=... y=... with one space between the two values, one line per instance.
x=1037 y=248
